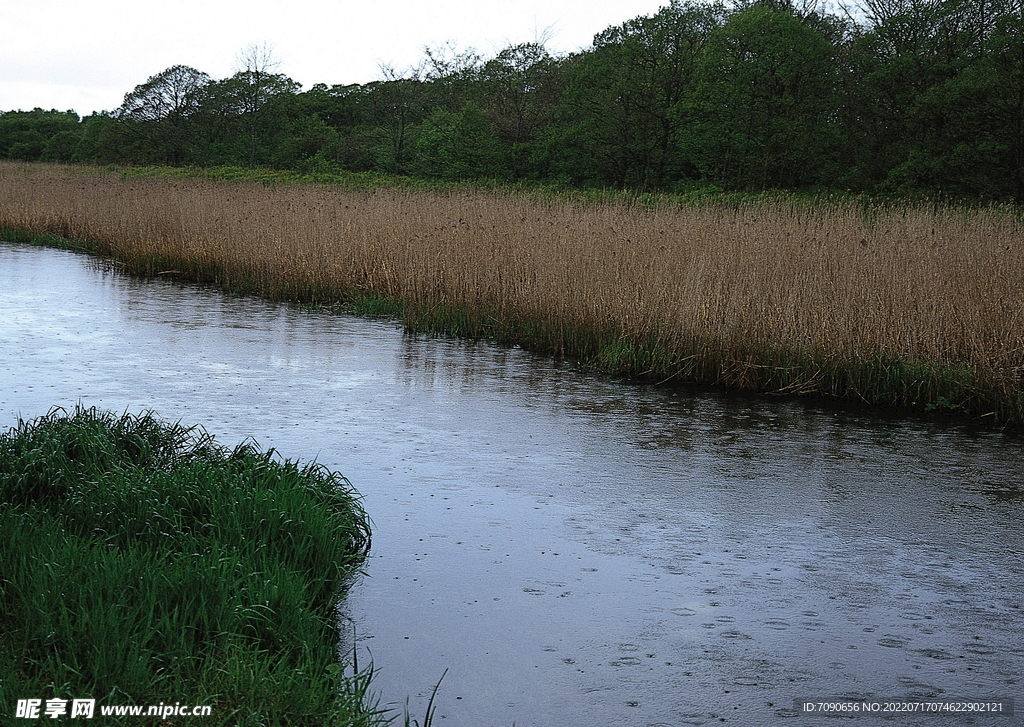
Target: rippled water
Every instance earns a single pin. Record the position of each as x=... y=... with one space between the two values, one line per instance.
x=574 y=551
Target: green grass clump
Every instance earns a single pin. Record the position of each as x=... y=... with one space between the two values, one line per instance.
x=144 y=563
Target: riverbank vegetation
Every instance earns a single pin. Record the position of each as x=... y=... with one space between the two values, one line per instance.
x=901 y=307
x=146 y=565
x=904 y=98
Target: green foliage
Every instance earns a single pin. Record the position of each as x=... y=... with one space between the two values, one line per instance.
x=144 y=563
x=158 y=117
x=519 y=90
x=61 y=147
x=918 y=98
x=765 y=93
x=25 y=135
x=625 y=100
x=458 y=146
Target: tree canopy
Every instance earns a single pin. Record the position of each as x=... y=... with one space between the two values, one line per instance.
x=914 y=97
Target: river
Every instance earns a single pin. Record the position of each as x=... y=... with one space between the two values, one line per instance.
x=566 y=549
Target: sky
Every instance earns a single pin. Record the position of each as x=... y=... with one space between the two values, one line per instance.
x=85 y=56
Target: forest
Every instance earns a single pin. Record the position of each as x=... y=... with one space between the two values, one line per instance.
x=892 y=98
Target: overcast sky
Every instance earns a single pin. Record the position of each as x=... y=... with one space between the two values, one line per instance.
x=85 y=56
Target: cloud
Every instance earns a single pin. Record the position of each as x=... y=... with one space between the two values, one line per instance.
x=58 y=53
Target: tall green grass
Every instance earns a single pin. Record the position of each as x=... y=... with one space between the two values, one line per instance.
x=144 y=563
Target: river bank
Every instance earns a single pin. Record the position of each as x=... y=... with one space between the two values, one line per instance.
x=901 y=309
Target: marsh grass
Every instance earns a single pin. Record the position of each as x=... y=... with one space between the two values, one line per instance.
x=913 y=308
x=143 y=563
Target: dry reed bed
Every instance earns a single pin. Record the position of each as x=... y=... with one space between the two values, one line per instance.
x=780 y=297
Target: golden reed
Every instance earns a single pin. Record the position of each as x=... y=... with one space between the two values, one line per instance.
x=774 y=296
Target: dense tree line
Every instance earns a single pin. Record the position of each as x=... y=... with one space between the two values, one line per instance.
x=892 y=97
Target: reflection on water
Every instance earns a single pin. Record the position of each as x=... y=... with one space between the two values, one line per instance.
x=573 y=550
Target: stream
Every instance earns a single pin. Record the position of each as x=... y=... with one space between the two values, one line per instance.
x=566 y=549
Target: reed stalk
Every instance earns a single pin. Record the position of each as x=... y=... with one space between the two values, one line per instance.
x=912 y=308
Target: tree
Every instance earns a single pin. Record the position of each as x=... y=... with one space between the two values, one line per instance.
x=519 y=90
x=450 y=76
x=624 y=97
x=25 y=135
x=766 y=100
x=174 y=93
x=61 y=147
x=941 y=97
x=156 y=116
x=397 y=105
x=347 y=110
x=100 y=142
x=253 y=90
x=967 y=123
x=459 y=146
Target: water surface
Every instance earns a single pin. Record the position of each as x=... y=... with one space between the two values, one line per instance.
x=573 y=550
